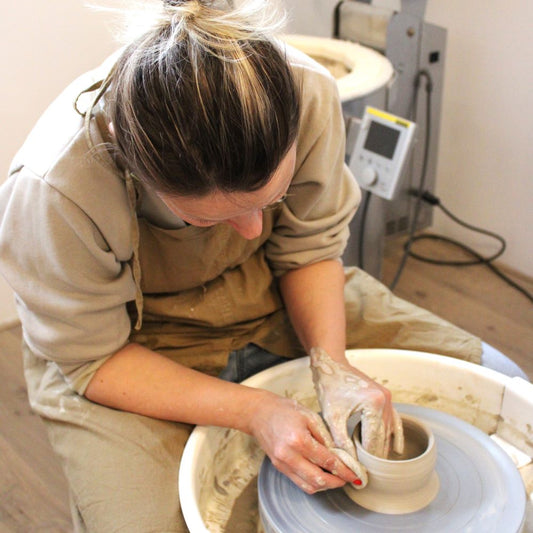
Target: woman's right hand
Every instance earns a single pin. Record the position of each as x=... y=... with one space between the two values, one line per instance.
x=298 y=444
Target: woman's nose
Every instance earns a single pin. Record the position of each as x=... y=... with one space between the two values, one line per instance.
x=249 y=225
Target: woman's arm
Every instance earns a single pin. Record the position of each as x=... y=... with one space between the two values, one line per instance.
x=141 y=381
x=314 y=298
x=138 y=380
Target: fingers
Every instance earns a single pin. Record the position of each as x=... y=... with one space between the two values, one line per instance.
x=312 y=465
x=318 y=429
x=297 y=442
x=387 y=440
x=399 y=441
x=373 y=432
x=320 y=468
x=378 y=431
x=308 y=476
x=347 y=455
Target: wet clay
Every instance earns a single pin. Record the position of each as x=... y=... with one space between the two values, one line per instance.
x=238 y=458
x=244 y=515
x=229 y=494
x=401 y=483
x=415 y=444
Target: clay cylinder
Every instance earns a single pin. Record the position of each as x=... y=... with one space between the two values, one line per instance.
x=401 y=483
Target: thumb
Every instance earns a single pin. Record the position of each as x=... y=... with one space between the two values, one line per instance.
x=354 y=465
x=339 y=432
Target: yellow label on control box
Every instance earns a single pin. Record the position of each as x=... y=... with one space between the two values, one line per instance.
x=389 y=117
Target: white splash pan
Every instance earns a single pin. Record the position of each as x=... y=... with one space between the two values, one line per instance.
x=491 y=401
x=368 y=70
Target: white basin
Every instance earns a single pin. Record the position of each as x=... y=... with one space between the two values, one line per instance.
x=359 y=70
x=218 y=464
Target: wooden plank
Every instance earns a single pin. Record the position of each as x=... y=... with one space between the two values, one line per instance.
x=33 y=491
x=22 y=428
x=27 y=503
x=473 y=298
x=477 y=282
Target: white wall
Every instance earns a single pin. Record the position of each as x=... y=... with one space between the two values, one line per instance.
x=43 y=46
x=485 y=171
x=485 y=161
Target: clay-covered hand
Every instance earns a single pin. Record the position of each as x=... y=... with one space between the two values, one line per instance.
x=342 y=390
x=299 y=445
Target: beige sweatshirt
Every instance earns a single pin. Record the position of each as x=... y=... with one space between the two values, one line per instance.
x=65 y=223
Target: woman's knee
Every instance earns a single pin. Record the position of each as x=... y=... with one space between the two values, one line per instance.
x=122 y=471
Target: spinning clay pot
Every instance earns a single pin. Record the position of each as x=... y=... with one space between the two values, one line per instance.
x=402 y=483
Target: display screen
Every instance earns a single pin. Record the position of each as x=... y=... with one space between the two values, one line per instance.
x=381 y=139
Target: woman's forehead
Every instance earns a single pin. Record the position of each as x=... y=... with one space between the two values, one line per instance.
x=220 y=206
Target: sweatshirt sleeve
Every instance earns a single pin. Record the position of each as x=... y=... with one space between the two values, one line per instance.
x=71 y=288
x=323 y=195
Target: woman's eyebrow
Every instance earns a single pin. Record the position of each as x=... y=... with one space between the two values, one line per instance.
x=280 y=195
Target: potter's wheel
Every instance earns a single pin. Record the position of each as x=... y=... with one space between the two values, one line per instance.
x=480 y=491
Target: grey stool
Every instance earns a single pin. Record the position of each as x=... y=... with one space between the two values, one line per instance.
x=495 y=360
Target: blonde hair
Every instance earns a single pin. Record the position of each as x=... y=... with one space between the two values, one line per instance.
x=204 y=98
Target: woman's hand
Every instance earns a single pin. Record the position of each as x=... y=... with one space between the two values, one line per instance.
x=299 y=445
x=342 y=390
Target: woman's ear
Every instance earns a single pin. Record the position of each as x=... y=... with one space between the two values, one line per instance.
x=111 y=129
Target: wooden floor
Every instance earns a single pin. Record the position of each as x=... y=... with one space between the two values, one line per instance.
x=472 y=297
x=33 y=492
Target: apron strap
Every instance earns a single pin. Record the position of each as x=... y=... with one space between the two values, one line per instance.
x=136 y=265
x=102 y=86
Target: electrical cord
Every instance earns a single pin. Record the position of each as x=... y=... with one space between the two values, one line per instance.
x=433 y=200
x=361 y=241
x=368 y=194
x=424 y=196
x=337 y=19
x=421 y=187
x=478 y=259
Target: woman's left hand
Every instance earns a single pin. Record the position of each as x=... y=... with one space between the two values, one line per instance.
x=342 y=390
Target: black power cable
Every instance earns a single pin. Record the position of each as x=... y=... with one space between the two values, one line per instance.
x=478 y=259
x=337 y=19
x=362 y=229
x=424 y=196
x=421 y=187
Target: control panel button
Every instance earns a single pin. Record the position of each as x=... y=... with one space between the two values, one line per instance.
x=369 y=176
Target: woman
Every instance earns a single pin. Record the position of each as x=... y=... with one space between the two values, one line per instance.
x=190 y=225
